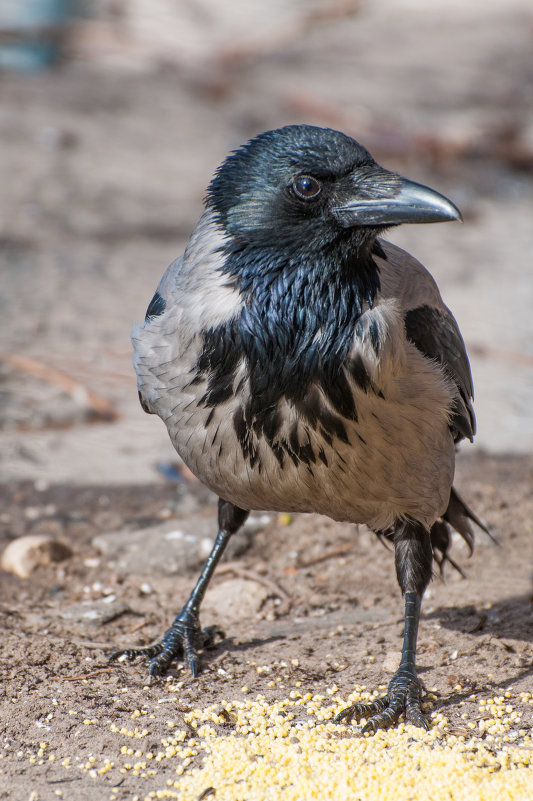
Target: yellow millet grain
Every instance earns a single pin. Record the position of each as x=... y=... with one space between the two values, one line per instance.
x=291 y=749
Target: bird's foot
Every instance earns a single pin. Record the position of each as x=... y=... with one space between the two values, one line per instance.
x=184 y=639
x=403 y=696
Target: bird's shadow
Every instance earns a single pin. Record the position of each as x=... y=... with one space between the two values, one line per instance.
x=510 y=618
x=456 y=696
x=233 y=646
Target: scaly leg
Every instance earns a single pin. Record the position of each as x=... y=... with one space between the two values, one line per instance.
x=185 y=637
x=413 y=556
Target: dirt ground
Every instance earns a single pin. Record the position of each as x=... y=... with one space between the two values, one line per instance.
x=328 y=613
x=105 y=162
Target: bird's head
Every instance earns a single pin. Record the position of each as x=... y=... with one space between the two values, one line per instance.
x=303 y=187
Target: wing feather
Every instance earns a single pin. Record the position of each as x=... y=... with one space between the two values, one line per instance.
x=436 y=334
x=430 y=326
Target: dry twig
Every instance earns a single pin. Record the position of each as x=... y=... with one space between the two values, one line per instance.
x=340 y=551
x=90 y=675
x=386 y=140
x=99 y=408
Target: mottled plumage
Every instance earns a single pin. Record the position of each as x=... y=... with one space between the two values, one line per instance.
x=357 y=428
x=301 y=363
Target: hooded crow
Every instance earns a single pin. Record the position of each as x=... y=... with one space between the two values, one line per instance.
x=302 y=364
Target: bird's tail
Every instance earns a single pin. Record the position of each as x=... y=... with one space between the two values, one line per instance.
x=457 y=517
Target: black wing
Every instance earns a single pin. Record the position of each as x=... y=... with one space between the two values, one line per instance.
x=436 y=334
x=156 y=307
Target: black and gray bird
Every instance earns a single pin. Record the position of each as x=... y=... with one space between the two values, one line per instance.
x=303 y=364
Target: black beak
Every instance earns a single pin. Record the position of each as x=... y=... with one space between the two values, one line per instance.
x=403 y=202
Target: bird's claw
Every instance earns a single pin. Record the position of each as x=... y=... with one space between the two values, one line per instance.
x=184 y=639
x=403 y=696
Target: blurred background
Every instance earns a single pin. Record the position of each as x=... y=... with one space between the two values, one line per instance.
x=114 y=115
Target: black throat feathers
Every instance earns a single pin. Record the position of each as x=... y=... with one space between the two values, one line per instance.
x=293 y=334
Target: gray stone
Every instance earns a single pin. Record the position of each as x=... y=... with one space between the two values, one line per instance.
x=233 y=600
x=391 y=662
x=96 y=612
x=175 y=547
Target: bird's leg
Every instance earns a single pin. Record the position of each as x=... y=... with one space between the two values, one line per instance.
x=185 y=637
x=413 y=556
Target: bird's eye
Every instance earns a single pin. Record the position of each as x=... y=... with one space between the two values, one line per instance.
x=306 y=187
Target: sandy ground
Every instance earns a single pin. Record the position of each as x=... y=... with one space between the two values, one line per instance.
x=104 y=166
x=308 y=607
